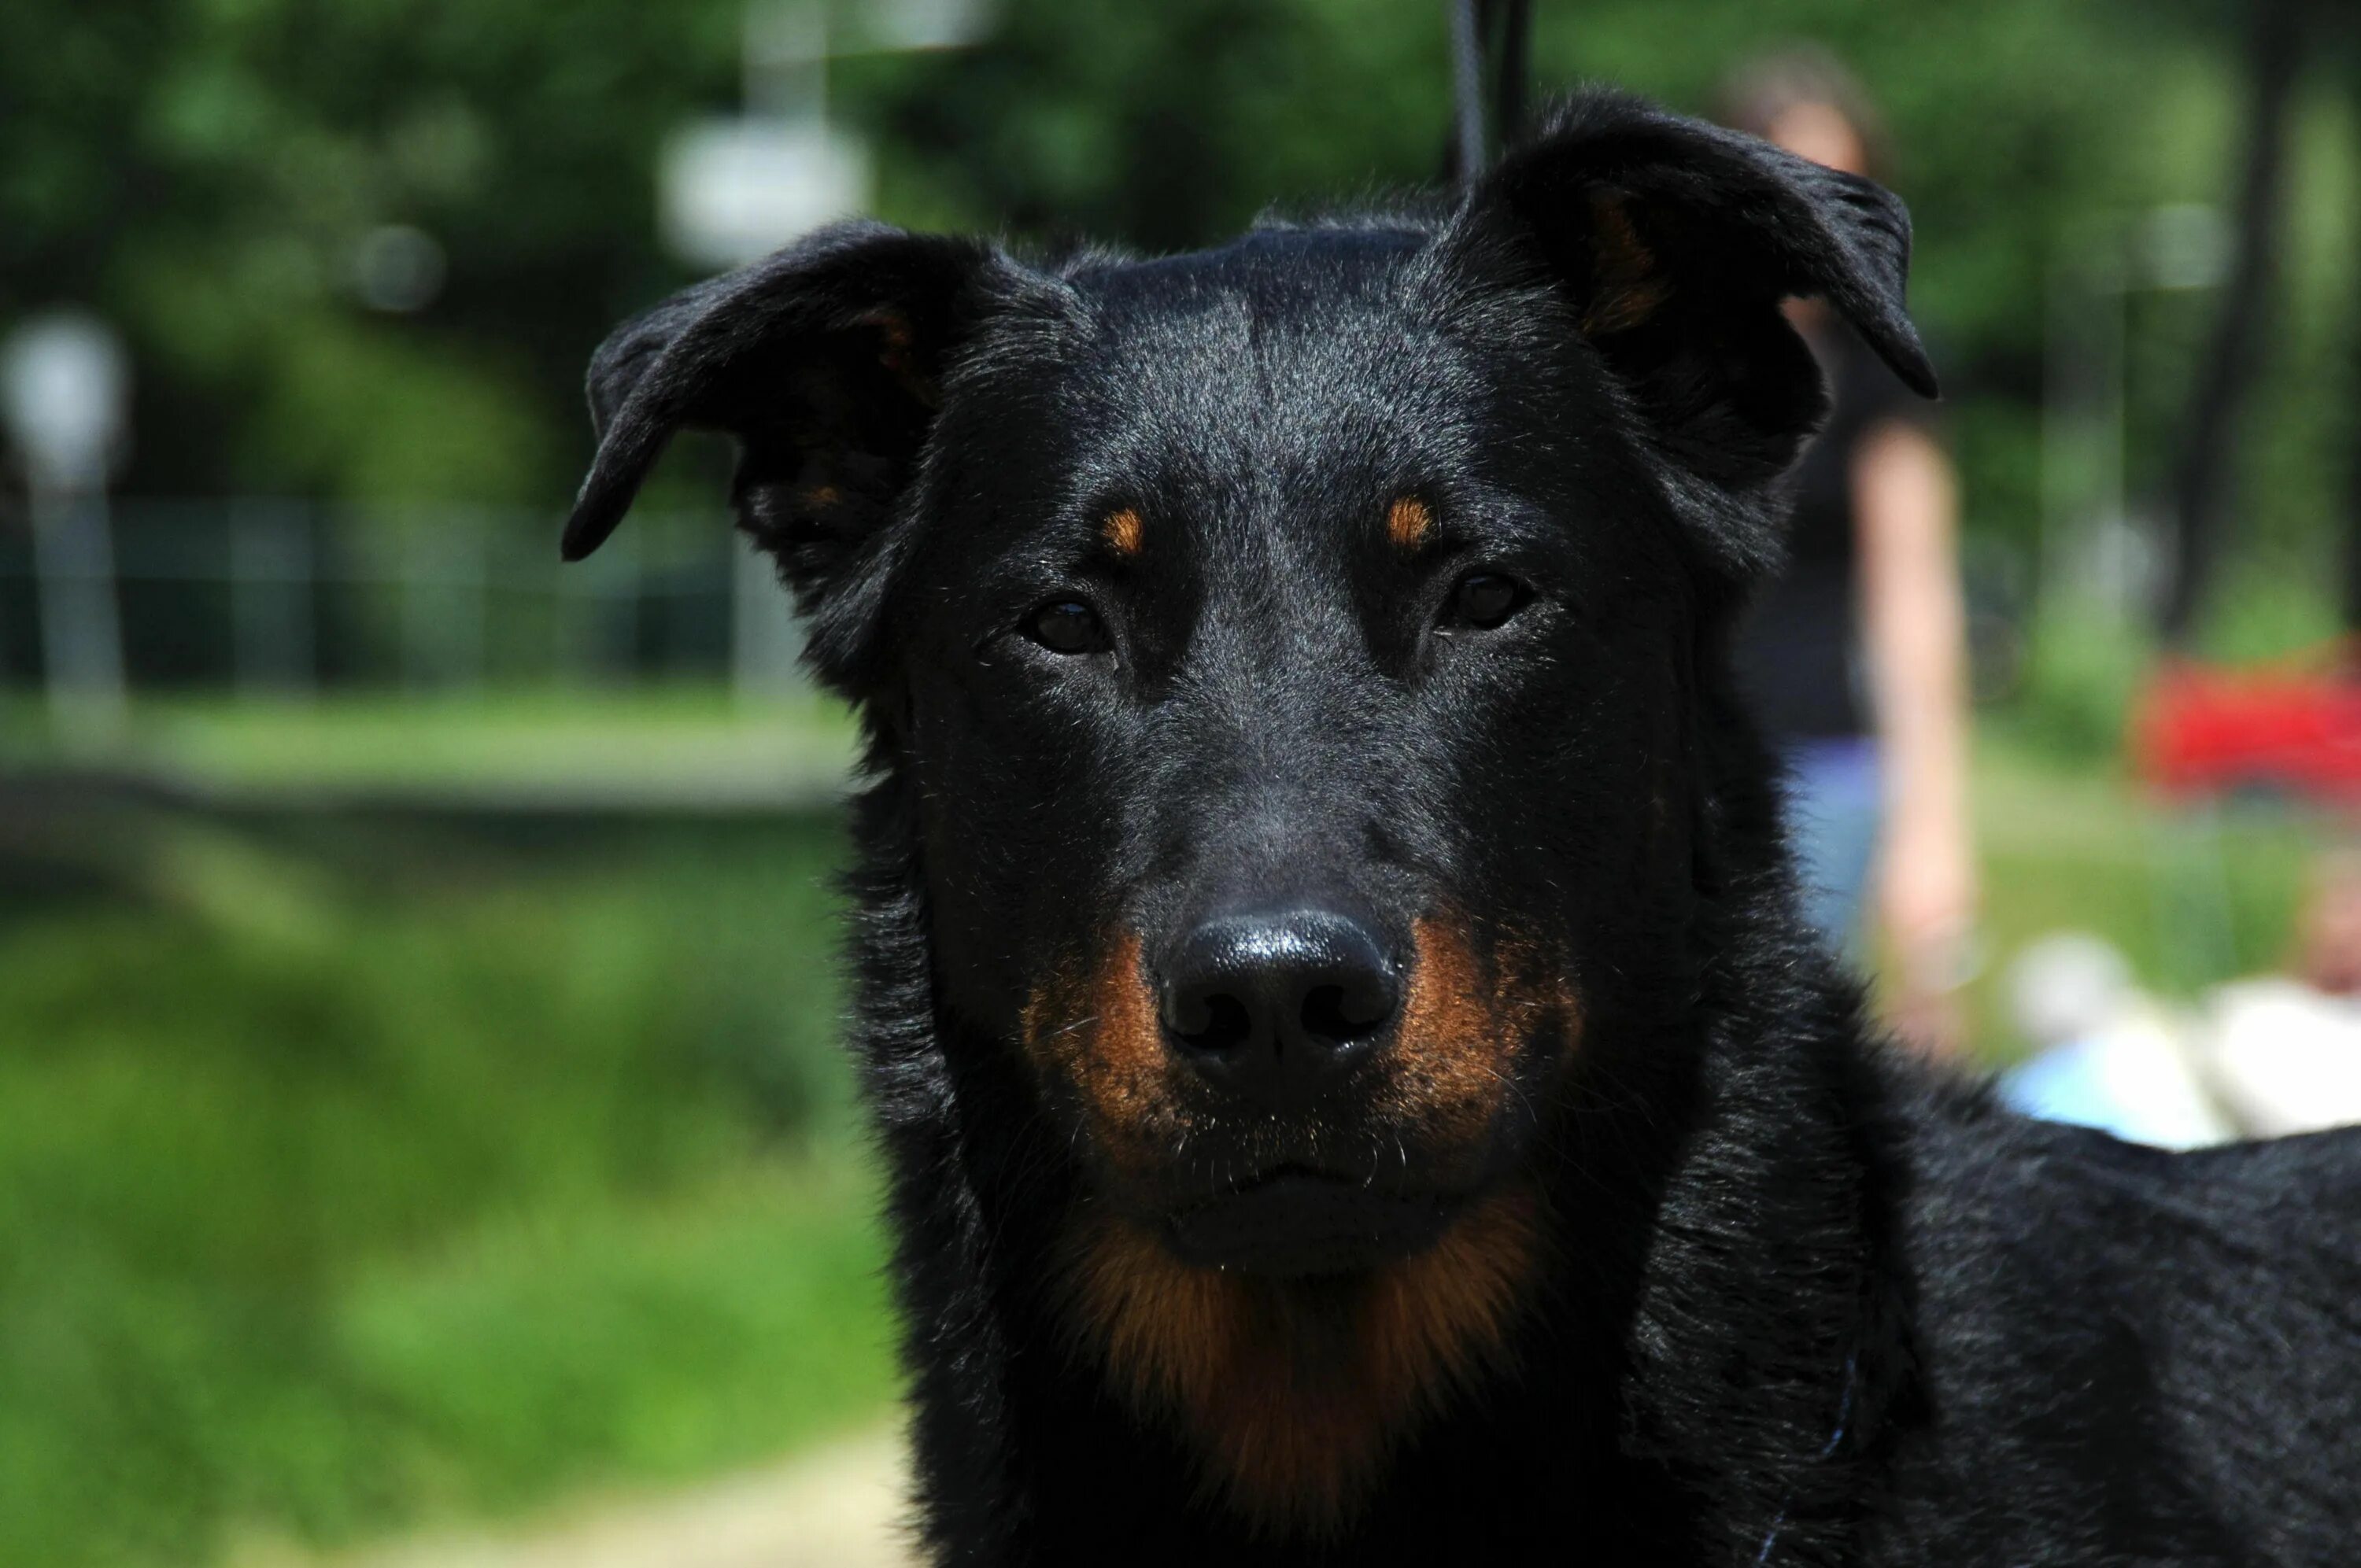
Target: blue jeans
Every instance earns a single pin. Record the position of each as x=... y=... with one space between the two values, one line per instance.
x=1834 y=811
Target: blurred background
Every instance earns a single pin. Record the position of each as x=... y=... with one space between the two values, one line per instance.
x=422 y=1137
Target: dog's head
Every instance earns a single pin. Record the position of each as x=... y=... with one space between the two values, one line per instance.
x=1290 y=652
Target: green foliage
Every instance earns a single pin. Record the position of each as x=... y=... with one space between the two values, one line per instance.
x=2083 y=668
x=351 y=1172
x=205 y=173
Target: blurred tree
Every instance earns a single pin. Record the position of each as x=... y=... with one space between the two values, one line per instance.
x=2200 y=499
x=2349 y=40
x=206 y=174
x=2022 y=126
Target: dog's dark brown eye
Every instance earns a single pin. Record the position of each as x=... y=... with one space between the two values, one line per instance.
x=1067 y=626
x=1485 y=599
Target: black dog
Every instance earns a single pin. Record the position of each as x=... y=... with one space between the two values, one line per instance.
x=1357 y=1085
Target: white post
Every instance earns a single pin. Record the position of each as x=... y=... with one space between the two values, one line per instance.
x=82 y=638
x=64 y=385
x=764 y=638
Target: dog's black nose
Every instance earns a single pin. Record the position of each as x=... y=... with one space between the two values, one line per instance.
x=1273 y=1006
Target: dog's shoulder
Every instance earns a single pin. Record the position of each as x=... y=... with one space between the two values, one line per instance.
x=2081 y=1197
x=2130 y=1326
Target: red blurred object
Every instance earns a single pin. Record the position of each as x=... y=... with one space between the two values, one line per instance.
x=2293 y=728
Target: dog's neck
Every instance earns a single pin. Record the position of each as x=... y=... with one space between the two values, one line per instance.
x=1715 y=1275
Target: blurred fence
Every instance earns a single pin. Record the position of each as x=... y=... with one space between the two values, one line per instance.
x=272 y=596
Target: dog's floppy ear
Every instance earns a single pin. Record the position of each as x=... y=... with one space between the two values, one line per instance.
x=825 y=361
x=1673 y=243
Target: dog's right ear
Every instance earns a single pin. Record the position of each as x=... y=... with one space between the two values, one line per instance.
x=1670 y=246
x=825 y=361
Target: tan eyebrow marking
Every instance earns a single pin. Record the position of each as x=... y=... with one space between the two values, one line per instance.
x=1409 y=522
x=1123 y=531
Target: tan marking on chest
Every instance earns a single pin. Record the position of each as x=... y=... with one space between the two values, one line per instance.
x=1296 y=1393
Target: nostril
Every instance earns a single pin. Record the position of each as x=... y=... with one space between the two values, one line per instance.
x=1216 y=1022
x=1338 y=1012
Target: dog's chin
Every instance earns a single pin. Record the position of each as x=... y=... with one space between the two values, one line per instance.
x=1301 y=1225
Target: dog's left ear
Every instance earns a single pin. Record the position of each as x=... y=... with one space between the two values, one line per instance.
x=1673 y=244
x=825 y=361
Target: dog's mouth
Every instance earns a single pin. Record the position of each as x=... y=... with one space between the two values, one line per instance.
x=1295 y=1224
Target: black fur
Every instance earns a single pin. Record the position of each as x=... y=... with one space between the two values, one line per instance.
x=1800 y=1303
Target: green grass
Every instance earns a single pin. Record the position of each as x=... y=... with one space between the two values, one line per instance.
x=683 y=743
x=2192 y=894
x=356 y=1173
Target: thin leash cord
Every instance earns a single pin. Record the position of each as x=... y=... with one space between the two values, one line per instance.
x=1827 y=1451
x=1480 y=127
x=1508 y=85
x=1467 y=86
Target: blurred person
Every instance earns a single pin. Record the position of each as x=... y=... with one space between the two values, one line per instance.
x=1855 y=657
x=2328 y=931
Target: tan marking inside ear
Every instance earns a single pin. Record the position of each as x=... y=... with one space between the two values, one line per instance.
x=820 y=497
x=1123 y=531
x=895 y=328
x=1295 y=1393
x=897 y=353
x=1408 y=521
x=1627 y=286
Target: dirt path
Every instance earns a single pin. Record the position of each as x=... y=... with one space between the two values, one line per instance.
x=833 y=1508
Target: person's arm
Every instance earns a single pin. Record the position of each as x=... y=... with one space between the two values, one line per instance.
x=1913 y=624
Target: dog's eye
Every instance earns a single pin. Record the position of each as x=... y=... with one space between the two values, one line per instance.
x=1067 y=626
x=1485 y=599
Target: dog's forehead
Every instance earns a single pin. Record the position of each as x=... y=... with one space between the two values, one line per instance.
x=1250 y=307
x=1273 y=270
x=1285 y=349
